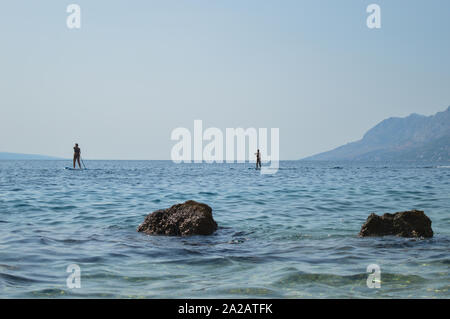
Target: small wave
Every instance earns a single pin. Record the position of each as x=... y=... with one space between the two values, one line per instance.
x=243 y=233
x=13 y=280
x=208 y=193
x=47 y=240
x=94 y=259
x=203 y=261
x=256 y=259
x=389 y=242
x=237 y=241
x=22 y=205
x=8 y=267
x=62 y=208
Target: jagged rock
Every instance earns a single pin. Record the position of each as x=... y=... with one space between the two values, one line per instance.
x=189 y=218
x=412 y=223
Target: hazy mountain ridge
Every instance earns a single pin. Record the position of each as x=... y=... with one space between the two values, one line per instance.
x=415 y=137
x=20 y=156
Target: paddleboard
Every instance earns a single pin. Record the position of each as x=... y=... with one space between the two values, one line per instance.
x=74 y=169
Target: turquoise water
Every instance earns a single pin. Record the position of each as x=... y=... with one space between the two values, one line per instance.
x=288 y=235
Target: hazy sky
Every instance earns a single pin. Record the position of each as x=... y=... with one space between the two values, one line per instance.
x=136 y=70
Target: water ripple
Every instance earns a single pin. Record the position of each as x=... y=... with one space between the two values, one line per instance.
x=288 y=235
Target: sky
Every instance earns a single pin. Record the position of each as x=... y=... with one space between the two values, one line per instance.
x=136 y=70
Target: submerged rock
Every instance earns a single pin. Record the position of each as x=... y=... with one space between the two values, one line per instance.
x=189 y=218
x=412 y=223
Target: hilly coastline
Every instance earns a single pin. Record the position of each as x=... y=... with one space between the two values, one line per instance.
x=20 y=156
x=412 y=138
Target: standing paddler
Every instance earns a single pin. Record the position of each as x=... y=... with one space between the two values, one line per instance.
x=76 y=155
x=258 y=159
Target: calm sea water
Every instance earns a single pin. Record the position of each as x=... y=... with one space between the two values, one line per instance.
x=288 y=235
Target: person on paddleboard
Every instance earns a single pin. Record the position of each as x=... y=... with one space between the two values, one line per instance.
x=258 y=159
x=76 y=155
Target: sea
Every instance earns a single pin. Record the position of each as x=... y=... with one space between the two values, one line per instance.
x=293 y=234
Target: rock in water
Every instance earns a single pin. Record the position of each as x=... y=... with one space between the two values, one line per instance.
x=412 y=223
x=189 y=218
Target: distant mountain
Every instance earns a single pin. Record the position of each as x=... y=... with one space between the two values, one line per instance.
x=415 y=137
x=18 y=156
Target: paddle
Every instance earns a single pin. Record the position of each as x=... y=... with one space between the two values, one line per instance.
x=83 y=162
